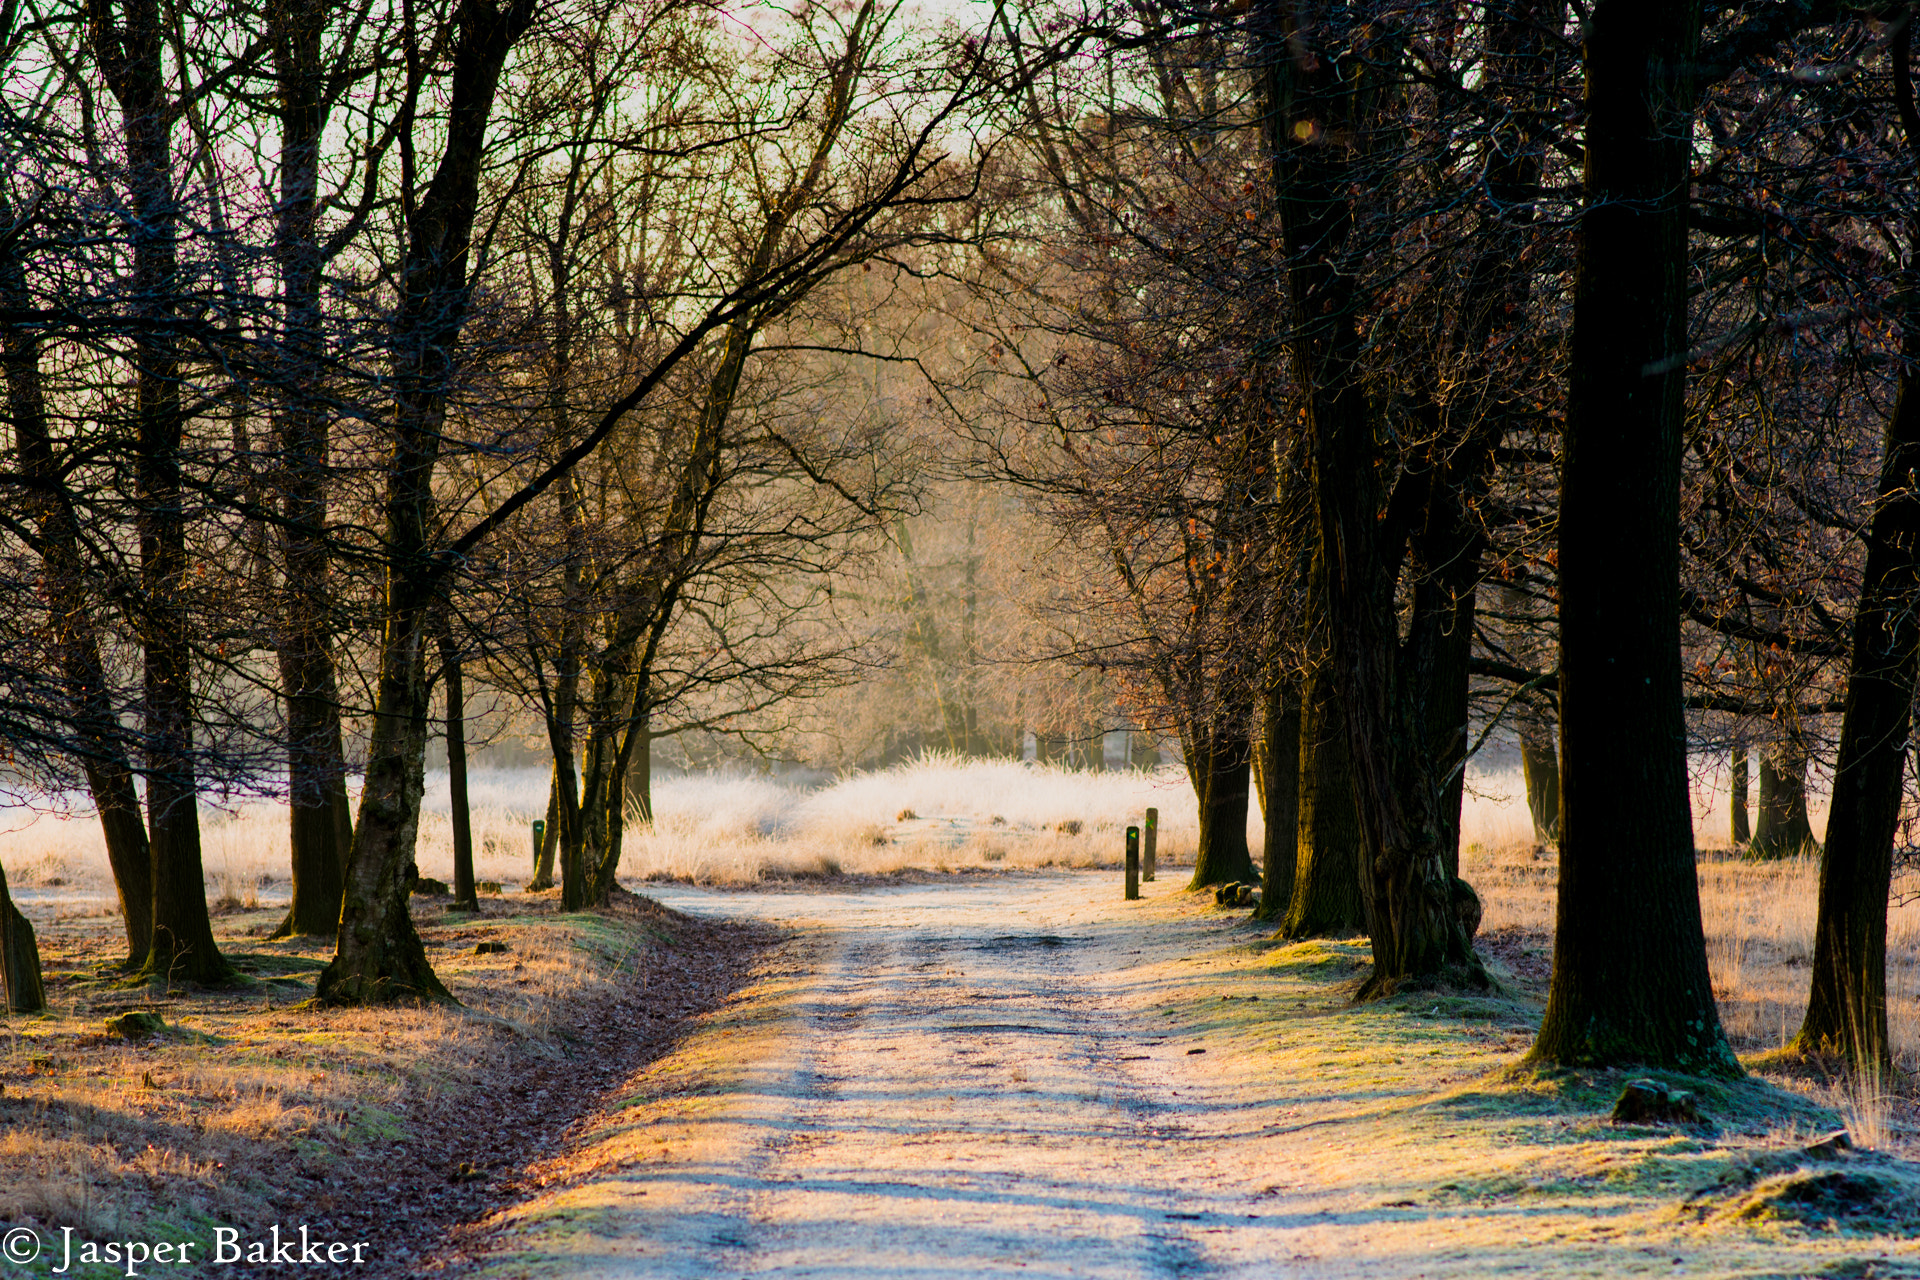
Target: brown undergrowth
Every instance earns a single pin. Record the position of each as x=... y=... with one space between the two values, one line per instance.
x=384 y=1126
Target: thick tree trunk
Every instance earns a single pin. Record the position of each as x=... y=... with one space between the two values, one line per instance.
x=1280 y=794
x=1737 y=796
x=127 y=46
x=19 y=957
x=1783 y=829
x=1847 y=1010
x=1221 y=771
x=76 y=638
x=1326 y=880
x=378 y=956
x=1321 y=106
x=1630 y=981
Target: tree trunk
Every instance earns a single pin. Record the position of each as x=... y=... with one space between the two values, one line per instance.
x=465 y=897
x=1630 y=981
x=1533 y=720
x=1847 y=1010
x=19 y=957
x=1540 y=769
x=1326 y=878
x=564 y=802
x=1224 y=760
x=378 y=956
x=76 y=638
x=1447 y=627
x=549 y=837
x=633 y=750
x=128 y=52
x=1783 y=829
x=1737 y=796
x=1321 y=106
x=1280 y=794
x=319 y=822
x=638 y=782
x=1455 y=468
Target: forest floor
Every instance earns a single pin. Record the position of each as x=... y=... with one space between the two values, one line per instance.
x=381 y=1128
x=1024 y=1075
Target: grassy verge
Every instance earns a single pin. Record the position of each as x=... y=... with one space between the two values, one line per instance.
x=1413 y=1127
x=382 y=1127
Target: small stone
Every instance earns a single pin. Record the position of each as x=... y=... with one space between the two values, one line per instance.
x=487 y=886
x=490 y=948
x=428 y=887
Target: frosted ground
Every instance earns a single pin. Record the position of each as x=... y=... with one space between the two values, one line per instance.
x=938 y=814
x=948 y=815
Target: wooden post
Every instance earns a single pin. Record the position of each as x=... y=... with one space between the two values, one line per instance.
x=539 y=837
x=1133 y=863
x=1152 y=834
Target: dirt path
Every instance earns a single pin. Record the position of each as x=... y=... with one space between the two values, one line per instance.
x=1024 y=1076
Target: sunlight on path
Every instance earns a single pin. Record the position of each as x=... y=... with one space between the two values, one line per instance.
x=1019 y=1076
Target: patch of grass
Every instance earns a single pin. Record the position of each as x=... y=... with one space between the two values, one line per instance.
x=245 y=1106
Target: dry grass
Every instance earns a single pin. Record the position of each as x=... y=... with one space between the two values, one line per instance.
x=1759 y=920
x=939 y=814
x=251 y=1107
x=710 y=829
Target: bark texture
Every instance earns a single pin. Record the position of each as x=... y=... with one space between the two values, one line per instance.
x=1326 y=880
x=1324 y=91
x=1783 y=829
x=1221 y=762
x=1630 y=981
x=1280 y=795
